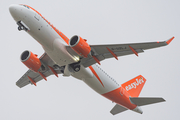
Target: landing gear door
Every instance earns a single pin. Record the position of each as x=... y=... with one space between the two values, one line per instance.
x=22 y=26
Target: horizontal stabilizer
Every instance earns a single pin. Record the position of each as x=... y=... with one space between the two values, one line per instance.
x=141 y=101
x=118 y=109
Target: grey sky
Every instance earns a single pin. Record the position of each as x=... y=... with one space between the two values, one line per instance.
x=100 y=22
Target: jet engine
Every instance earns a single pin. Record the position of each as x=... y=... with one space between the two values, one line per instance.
x=80 y=46
x=31 y=60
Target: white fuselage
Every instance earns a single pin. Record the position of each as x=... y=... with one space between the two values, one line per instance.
x=54 y=45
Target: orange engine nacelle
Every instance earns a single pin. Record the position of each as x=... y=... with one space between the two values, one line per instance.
x=31 y=60
x=80 y=46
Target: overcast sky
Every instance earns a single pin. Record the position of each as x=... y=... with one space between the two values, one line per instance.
x=100 y=22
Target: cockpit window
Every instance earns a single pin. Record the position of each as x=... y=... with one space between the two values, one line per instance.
x=25 y=6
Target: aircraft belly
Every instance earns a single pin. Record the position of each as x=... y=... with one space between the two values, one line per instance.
x=59 y=53
x=84 y=73
x=103 y=83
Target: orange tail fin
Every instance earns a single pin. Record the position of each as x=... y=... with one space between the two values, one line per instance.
x=134 y=86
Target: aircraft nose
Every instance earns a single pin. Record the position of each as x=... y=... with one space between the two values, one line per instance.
x=14 y=10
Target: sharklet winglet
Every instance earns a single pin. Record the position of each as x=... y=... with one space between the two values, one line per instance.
x=169 y=41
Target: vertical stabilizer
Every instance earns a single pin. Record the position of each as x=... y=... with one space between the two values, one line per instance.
x=134 y=86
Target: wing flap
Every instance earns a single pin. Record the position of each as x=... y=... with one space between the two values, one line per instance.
x=101 y=49
x=122 y=53
x=86 y=62
x=24 y=80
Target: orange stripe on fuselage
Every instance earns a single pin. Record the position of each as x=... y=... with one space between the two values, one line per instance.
x=121 y=97
x=57 y=31
x=94 y=72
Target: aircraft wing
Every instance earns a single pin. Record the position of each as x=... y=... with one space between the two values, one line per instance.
x=31 y=77
x=101 y=52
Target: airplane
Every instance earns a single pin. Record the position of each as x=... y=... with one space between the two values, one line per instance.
x=75 y=57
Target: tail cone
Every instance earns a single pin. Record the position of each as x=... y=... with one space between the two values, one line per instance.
x=138 y=110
